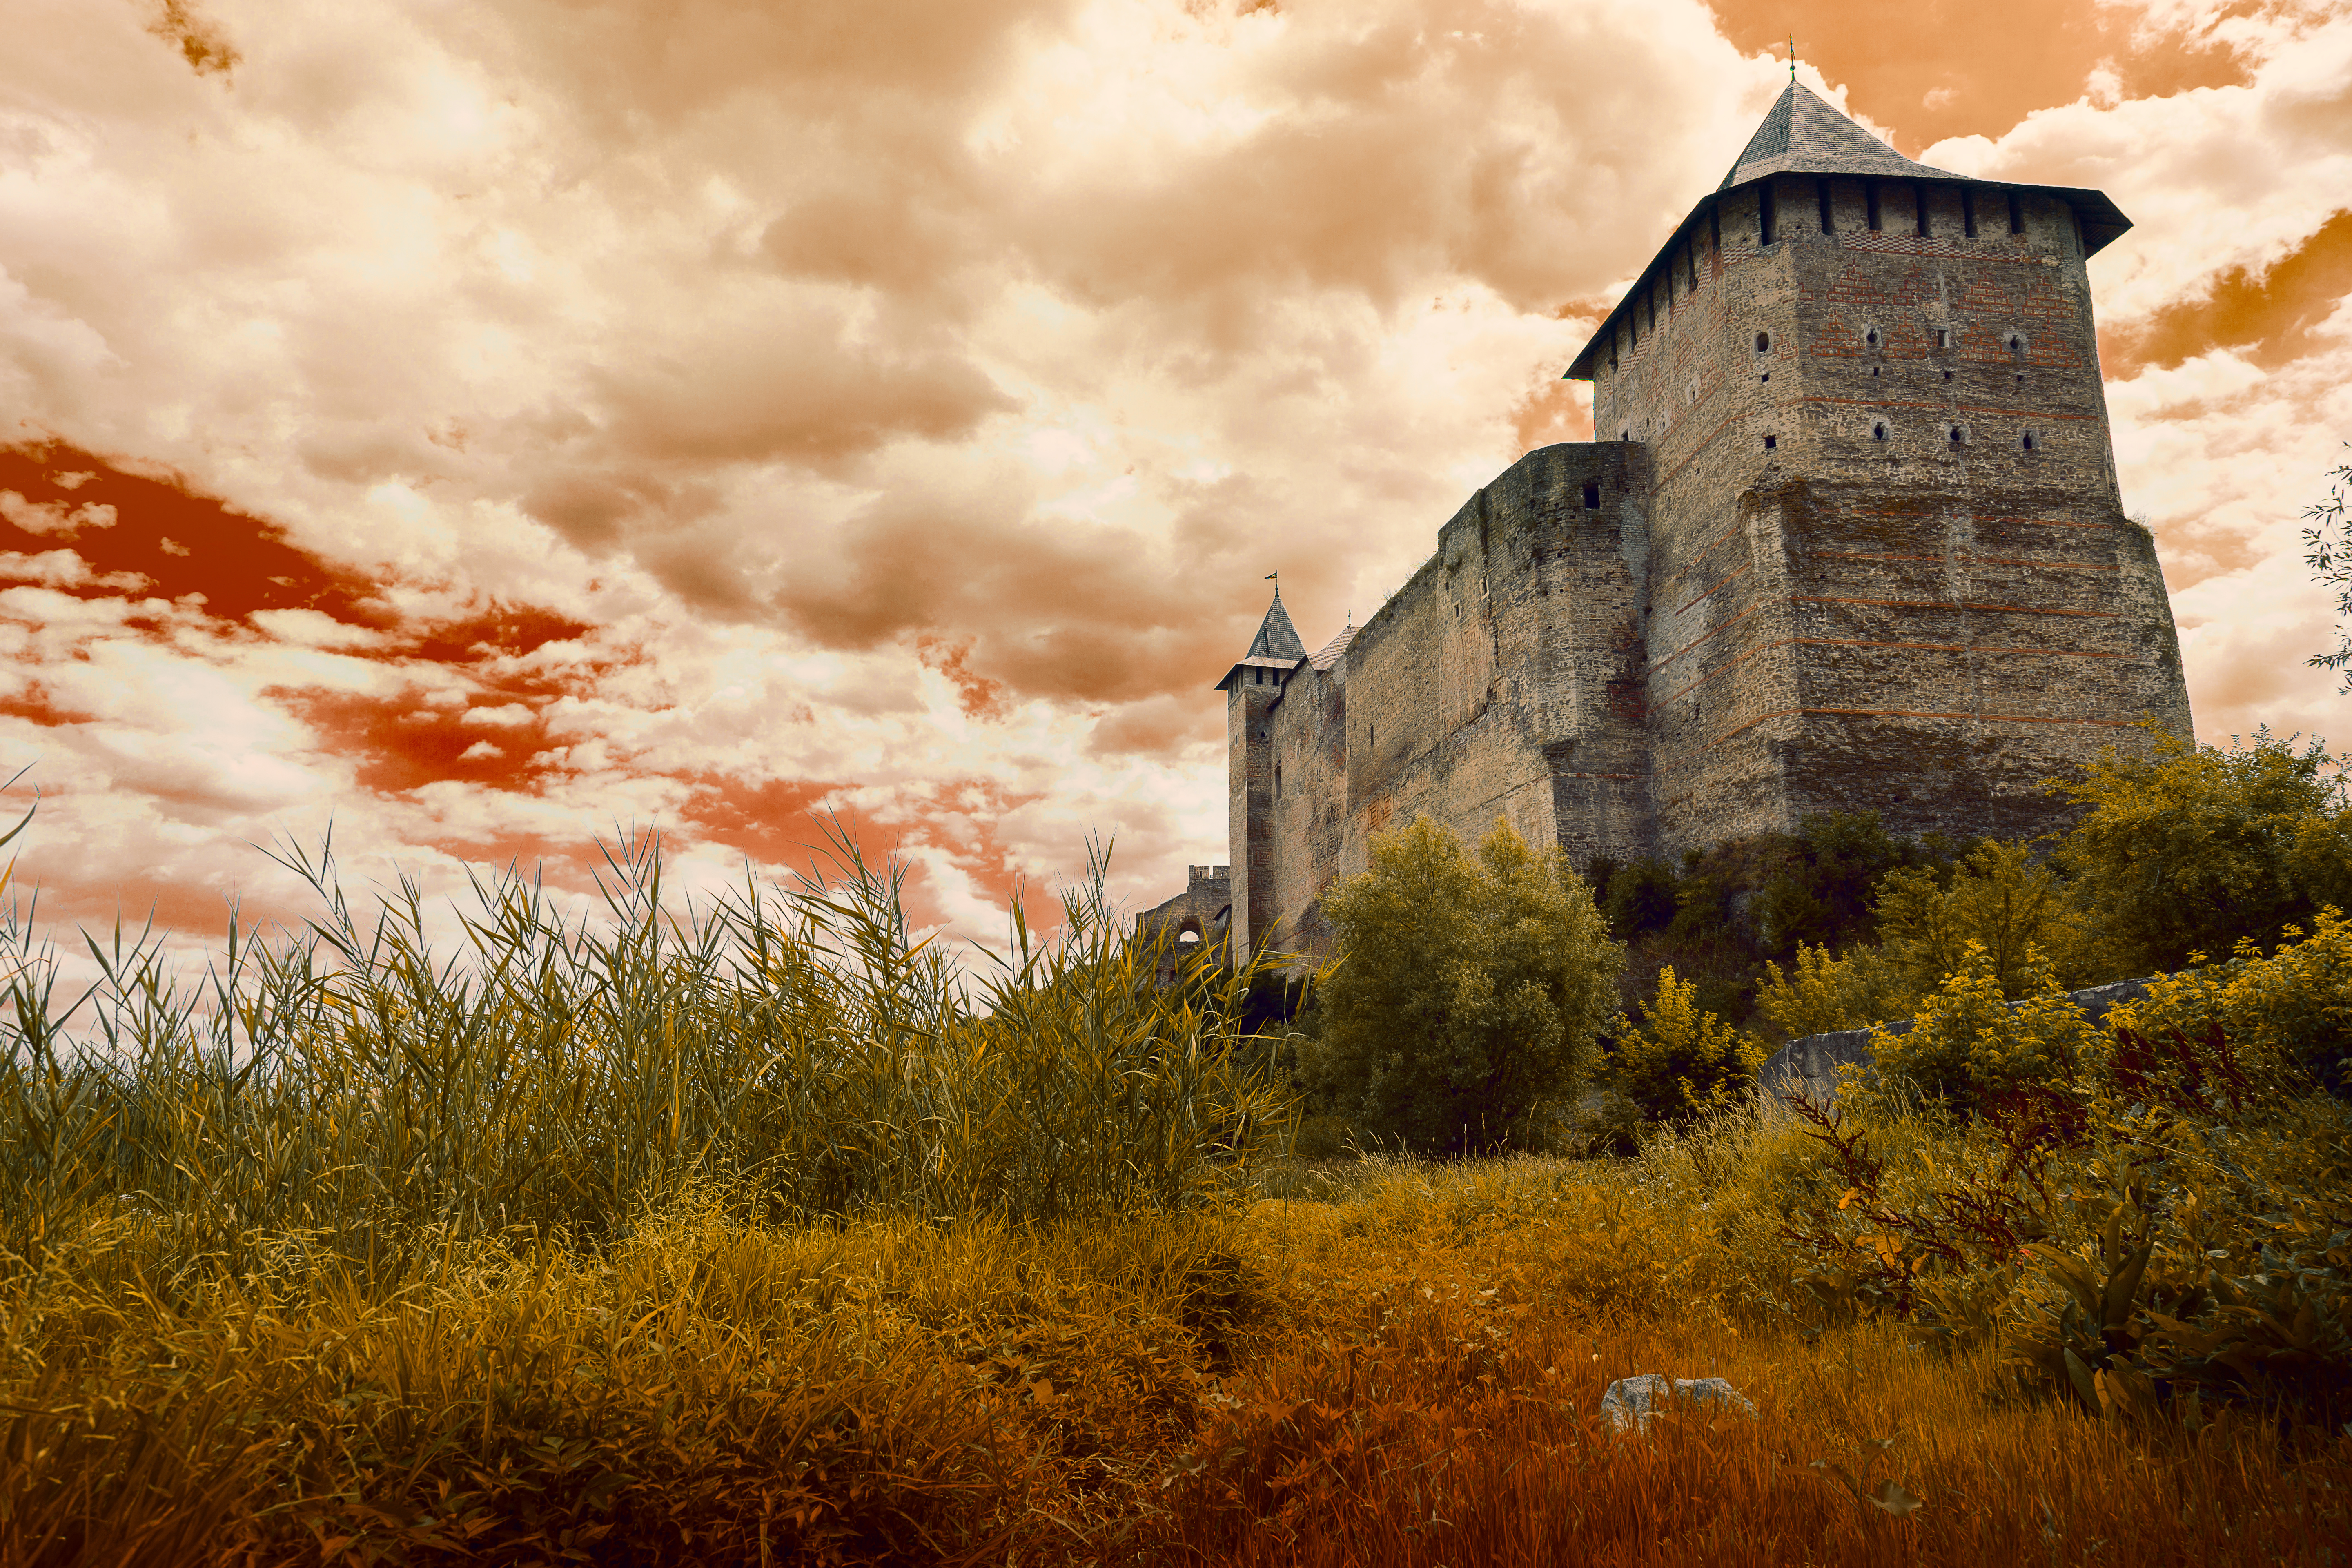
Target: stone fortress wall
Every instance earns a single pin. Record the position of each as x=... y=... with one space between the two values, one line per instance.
x=1858 y=545
x=1194 y=921
x=1929 y=561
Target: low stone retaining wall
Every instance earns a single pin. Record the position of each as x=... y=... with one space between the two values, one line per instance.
x=1811 y=1064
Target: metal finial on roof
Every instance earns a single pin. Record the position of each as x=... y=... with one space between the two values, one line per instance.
x=1276 y=578
x=1792 y=59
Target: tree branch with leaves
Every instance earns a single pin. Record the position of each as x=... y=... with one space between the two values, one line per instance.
x=2327 y=548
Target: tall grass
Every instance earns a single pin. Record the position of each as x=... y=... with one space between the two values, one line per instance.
x=354 y=1095
x=1457 y=1325
x=761 y=1234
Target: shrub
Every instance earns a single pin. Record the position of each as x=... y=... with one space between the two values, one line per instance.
x=1642 y=898
x=1681 y=1063
x=2292 y=1011
x=2001 y=898
x=1823 y=888
x=1745 y=902
x=1468 y=990
x=1825 y=993
x=2192 y=848
x=2160 y=1227
x=1969 y=1045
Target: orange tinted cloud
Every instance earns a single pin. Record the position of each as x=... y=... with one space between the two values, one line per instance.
x=1041 y=610
x=1935 y=68
x=198 y=38
x=2268 y=311
x=34 y=703
x=953 y=823
x=794 y=390
x=182 y=541
x=981 y=697
x=151 y=539
x=1552 y=413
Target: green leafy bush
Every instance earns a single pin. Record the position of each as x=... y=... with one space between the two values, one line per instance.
x=2164 y=1225
x=1681 y=1063
x=2001 y=898
x=1735 y=908
x=2192 y=848
x=1468 y=990
x=1969 y=1045
x=1822 y=992
x=2291 y=1011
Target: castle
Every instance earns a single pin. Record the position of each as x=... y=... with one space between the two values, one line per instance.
x=1857 y=545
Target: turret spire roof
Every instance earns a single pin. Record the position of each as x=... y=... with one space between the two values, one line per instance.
x=1276 y=638
x=1803 y=134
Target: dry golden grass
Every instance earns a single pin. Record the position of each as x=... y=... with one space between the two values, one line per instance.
x=1438 y=1404
x=754 y=1239
x=1367 y=1379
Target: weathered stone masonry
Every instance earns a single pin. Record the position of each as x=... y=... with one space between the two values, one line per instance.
x=1858 y=544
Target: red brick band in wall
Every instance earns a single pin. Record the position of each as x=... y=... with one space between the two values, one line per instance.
x=1908 y=713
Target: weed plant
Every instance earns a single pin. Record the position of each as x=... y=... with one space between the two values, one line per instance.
x=357 y=1224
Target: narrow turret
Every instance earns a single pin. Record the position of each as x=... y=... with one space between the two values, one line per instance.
x=1250 y=689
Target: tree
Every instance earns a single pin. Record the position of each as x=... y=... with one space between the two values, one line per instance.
x=1743 y=902
x=1998 y=898
x=1468 y=990
x=1824 y=893
x=2329 y=550
x=2193 y=847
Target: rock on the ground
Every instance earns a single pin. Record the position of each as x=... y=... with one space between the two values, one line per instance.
x=1632 y=1401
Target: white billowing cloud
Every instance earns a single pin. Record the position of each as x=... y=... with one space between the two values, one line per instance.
x=53 y=517
x=911 y=399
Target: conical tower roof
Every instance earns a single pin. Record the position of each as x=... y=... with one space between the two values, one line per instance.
x=1803 y=134
x=1276 y=638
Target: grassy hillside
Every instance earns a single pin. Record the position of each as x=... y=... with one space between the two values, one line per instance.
x=757 y=1236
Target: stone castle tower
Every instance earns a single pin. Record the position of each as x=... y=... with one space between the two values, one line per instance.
x=1856 y=544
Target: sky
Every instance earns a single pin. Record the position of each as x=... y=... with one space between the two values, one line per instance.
x=486 y=427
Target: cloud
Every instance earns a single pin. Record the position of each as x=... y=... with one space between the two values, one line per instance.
x=1938 y=69
x=2270 y=312
x=488 y=428
x=53 y=517
x=788 y=385
x=199 y=39
x=64 y=568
